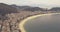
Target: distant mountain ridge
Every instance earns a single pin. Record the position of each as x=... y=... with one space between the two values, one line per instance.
x=4 y=8
x=29 y=8
x=55 y=9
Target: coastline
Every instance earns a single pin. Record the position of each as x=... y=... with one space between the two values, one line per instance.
x=32 y=17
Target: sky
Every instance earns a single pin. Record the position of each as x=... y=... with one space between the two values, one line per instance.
x=39 y=3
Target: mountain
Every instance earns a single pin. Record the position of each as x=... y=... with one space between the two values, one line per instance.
x=55 y=9
x=33 y=9
x=5 y=9
x=28 y=8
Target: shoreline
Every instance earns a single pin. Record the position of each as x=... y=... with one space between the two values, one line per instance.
x=31 y=17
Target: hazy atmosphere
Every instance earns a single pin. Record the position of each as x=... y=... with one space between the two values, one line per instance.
x=39 y=3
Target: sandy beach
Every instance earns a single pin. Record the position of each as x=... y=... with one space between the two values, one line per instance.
x=32 y=17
